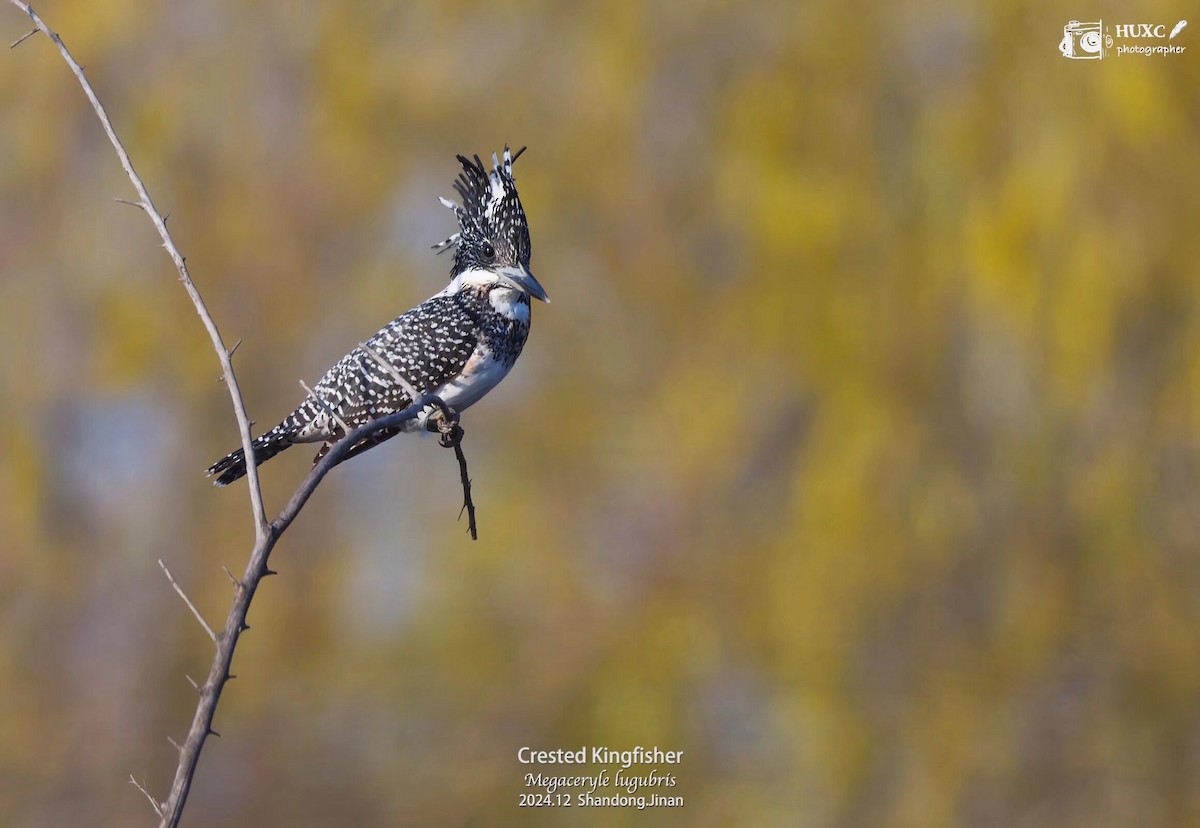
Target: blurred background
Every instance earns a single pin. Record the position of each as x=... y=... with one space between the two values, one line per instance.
x=858 y=455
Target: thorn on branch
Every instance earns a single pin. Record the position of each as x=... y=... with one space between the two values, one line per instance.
x=233 y=350
x=214 y=733
x=136 y=204
x=188 y=601
x=266 y=572
x=14 y=45
x=174 y=744
x=192 y=682
x=154 y=803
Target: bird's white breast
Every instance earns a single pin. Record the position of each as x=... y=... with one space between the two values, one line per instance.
x=510 y=303
x=483 y=370
x=481 y=374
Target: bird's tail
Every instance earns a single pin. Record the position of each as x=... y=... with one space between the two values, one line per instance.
x=232 y=466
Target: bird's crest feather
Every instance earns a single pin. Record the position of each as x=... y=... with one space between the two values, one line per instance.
x=481 y=193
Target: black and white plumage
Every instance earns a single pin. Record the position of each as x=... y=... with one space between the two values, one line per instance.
x=458 y=344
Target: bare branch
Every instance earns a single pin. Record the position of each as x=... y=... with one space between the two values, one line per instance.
x=154 y=803
x=160 y=224
x=445 y=422
x=338 y=452
x=187 y=601
x=391 y=369
x=256 y=570
x=468 y=504
x=23 y=38
x=333 y=415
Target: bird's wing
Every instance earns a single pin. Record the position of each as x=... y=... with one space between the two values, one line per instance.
x=427 y=346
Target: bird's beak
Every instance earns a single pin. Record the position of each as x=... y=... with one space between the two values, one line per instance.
x=521 y=279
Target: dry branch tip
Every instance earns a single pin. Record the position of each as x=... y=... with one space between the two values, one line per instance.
x=17 y=43
x=333 y=415
x=188 y=601
x=154 y=803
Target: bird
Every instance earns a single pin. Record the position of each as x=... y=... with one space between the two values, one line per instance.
x=458 y=344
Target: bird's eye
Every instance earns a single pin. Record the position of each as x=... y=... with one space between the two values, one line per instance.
x=489 y=252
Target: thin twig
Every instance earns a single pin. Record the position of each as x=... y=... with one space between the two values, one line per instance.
x=154 y=803
x=187 y=601
x=448 y=413
x=391 y=369
x=468 y=504
x=333 y=415
x=23 y=38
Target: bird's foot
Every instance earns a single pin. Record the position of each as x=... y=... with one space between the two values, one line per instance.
x=444 y=422
x=452 y=436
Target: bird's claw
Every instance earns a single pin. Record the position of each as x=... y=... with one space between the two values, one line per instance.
x=451 y=435
x=444 y=422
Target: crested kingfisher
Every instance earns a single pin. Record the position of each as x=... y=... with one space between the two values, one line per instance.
x=458 y=344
